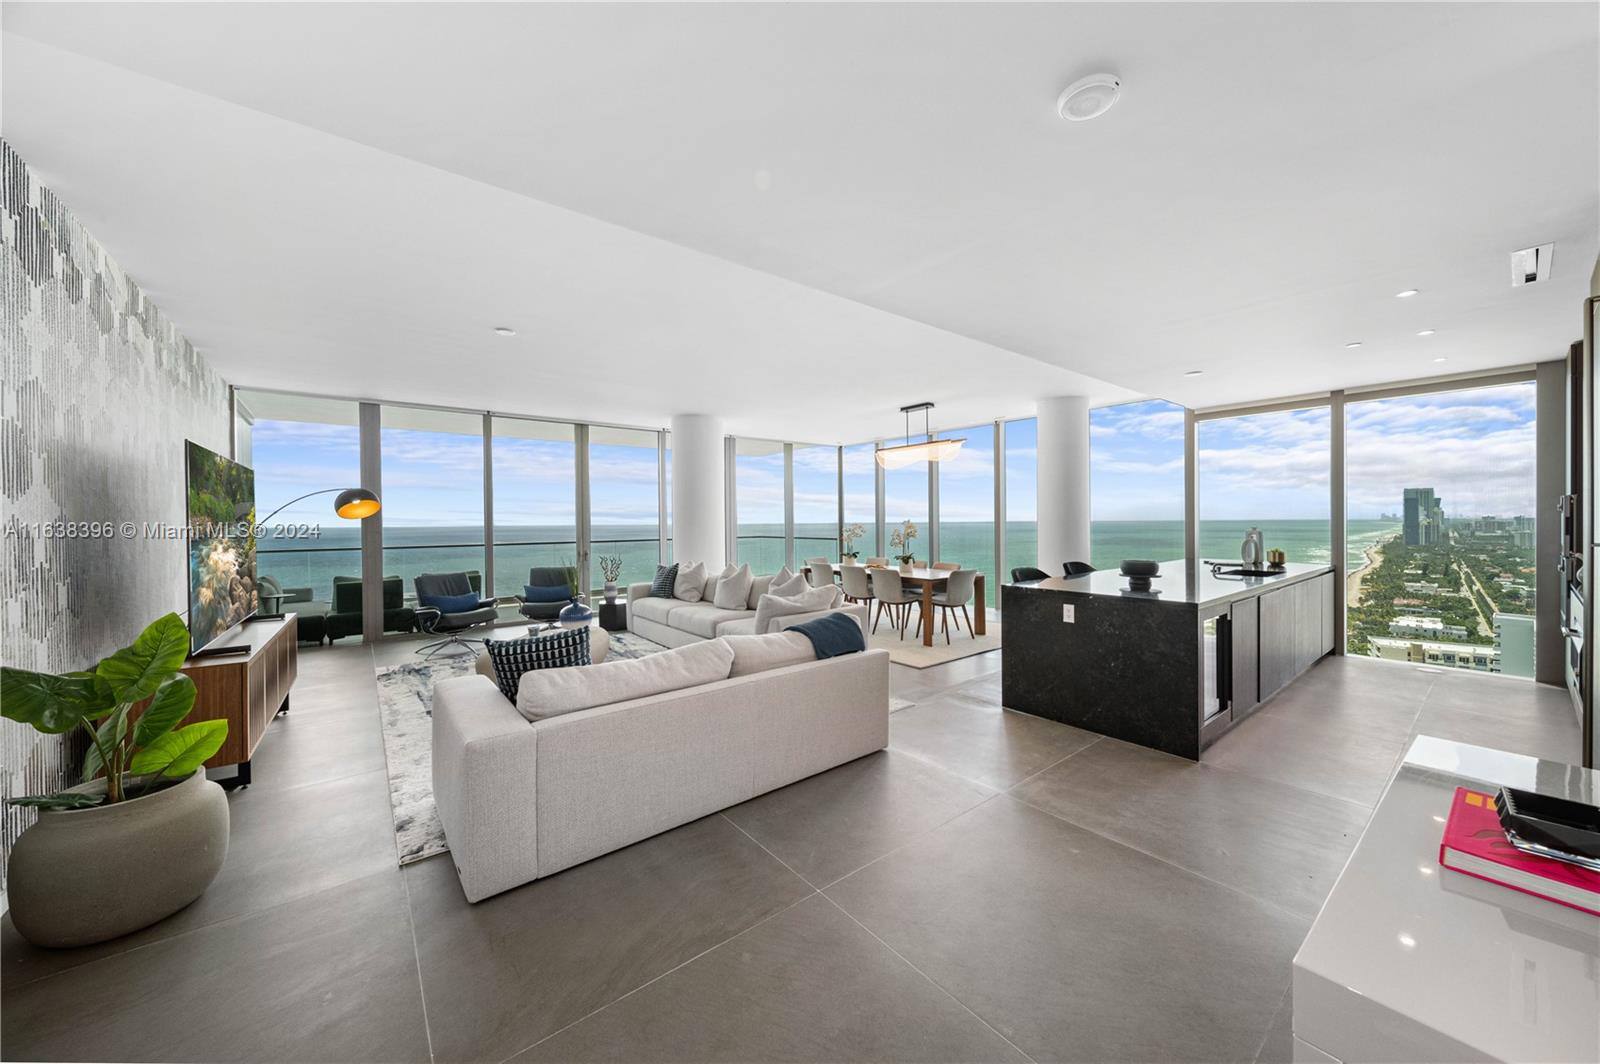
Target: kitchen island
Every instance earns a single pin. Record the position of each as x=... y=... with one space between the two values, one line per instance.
x=1172 y=668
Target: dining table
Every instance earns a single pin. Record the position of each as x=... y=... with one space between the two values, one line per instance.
x=930 y=580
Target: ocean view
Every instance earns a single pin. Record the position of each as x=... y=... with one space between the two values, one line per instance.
x=413 y=549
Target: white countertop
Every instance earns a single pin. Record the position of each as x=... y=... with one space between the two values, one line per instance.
x=1412 y=961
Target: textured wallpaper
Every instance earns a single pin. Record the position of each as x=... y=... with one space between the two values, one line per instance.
x=97 y=394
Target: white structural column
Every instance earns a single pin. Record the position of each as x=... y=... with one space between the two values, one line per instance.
x=699 y=525
x=1063 y=467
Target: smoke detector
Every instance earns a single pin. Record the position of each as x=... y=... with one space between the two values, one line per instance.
x=1531 y=265
x=1088 y=97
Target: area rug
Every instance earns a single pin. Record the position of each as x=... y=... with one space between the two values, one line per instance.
x=910 y=651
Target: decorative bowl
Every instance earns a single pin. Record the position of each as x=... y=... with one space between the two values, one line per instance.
x=1138 y=567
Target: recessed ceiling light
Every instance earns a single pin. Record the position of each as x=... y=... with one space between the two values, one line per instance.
x=1425 y=332
x=1193 y=372
x=1407 y=294
x=1353 y=344
x=504 y=330
x=1441 y=358
x=1088 y=97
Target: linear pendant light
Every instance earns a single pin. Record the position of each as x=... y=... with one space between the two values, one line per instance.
x=930 y=451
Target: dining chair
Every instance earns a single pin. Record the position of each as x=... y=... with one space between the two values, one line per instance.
x=945 y=567
x=958 y=591
x=821 y=573
x=891 y=592
x=857 y=584
x=1027 y=572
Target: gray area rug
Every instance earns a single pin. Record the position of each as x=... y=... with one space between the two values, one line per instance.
x=405 y=703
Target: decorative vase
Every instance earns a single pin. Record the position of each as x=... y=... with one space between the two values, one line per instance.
x=611 y=592
x=906 y=567
x=576 y=612
x=80 y=876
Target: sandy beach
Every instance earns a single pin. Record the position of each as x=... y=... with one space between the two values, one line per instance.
x=1352 y=586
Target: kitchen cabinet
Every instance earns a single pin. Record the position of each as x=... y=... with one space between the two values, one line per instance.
x=1245 y=674
x=1277 y=642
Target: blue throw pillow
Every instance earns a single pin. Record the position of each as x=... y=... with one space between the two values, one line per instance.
x=555 y=593
x=556 y=650
x=666 y=577
x=451 y=603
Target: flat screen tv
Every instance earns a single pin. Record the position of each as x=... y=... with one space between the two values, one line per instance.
x=222 y=545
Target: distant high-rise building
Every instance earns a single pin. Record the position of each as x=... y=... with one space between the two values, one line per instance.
x=1423 y=520
x=1513 y=634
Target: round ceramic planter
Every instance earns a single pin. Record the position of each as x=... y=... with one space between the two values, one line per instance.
x=87 y=875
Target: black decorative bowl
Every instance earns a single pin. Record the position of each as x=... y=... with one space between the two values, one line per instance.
x=1136 y=567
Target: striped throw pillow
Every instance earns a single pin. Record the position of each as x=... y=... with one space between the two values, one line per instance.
x=554 y=650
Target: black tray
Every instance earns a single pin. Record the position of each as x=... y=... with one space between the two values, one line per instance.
x=1551 y=827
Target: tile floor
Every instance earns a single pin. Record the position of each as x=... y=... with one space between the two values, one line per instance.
x=992 y=887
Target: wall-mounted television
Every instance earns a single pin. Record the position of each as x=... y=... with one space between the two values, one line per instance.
x=222 y=544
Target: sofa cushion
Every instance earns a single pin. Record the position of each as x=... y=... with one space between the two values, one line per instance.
x=666 y=576
x=758 y=586
x=540 y=593
x=552 y=692
x=655 y=609
x=702 y=618
x=758 y=653
x=772 y=607
x=451 y=603
x=691 y=582
x=745 y=625
x=733 y=589
x=552 y=650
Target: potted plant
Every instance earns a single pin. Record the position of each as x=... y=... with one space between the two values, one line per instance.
x=900 y=539
x=146 y=832
x=610 y=569
x=849 y=535
x=577 y=611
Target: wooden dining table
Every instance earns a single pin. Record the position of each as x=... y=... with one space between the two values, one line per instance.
x=929 y=580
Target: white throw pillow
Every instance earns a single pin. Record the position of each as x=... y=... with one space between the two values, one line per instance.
x=733 y=589
x=759 y=653
x=772 y=607
x=785 y=589
x=547 y=693
x=691 y=583
x=758 y=587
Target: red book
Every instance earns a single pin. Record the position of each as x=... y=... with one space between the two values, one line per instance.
x=1474 y=843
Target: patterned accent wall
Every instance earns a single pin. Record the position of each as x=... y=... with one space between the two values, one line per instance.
x=97 y=394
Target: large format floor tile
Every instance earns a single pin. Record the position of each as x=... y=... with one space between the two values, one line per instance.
x=982 y=742
x=807 y=985
x=316 y=744
x=1554 y=735
x=1340 y=761
x=512 y=969
x=831 y=824
x=1075 y=947
x=1282 y=844
x=331 y=977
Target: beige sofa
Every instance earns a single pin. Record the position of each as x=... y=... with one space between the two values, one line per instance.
x=521 y=800
x=673 y=622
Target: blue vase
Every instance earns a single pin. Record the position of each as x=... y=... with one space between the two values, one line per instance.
x=576 y=612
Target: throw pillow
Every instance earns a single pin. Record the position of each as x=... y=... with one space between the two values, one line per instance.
x=758 y=587
x=691 y=582
x=552 y=692
x=772 y=608
x=666 y=576
x=759 y=653
x=451 y=603
x=709 y=592
x=789 y=588
x=543 y=593
x=733 y=590
x=514 y=657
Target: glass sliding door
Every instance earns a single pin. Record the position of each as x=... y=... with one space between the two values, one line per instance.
x=759 y=498
x=535 y=501
x=905 y=499
x=861 y=497
x=1022 y=498
x=816 y=502
x=298 y=445
x=1136 y=483
x=1269 y=471
x=1440 y=514
x=966 y=506
x=624 y=503
x=432 y=464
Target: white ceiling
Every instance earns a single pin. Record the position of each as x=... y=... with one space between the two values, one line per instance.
x=730 y=208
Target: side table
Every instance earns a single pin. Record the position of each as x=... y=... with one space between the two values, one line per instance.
x=614 y=616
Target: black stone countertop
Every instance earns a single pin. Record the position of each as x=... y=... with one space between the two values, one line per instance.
x=1178 y=584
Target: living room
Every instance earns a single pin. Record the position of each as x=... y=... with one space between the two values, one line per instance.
x=687 y=532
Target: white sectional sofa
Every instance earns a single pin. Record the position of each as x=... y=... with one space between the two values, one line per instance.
x=522 y=799
x=673 y=622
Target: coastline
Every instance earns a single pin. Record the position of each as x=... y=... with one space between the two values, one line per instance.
x=1352 y=587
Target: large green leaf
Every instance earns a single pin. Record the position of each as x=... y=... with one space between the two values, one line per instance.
x=112 y=730
x=134 y=672
x=180 y=752
x=171 y=704
x=53 y=704
x=64 y=800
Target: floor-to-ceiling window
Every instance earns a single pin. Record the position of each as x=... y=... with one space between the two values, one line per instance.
x=1440 y=527
x=966 y=506
x=1269 y=471
x=535 y=500
x=905 y=500
x=758 y=497
x=298 y=444
x=1136 y=482
x=624 y=503
x=816 y=502
x=1022 y=498
x=432 y=463
x=861 y=498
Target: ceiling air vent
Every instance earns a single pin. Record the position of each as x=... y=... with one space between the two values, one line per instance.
x=1531 y=265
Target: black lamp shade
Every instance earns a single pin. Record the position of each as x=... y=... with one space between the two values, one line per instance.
x=356 y=503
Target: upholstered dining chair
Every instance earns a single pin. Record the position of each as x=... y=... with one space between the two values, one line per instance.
x=857 y=581
x=821 y=573
x=946 y=567
x=1023 y=573
x=891 y=592
x=958 y=591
